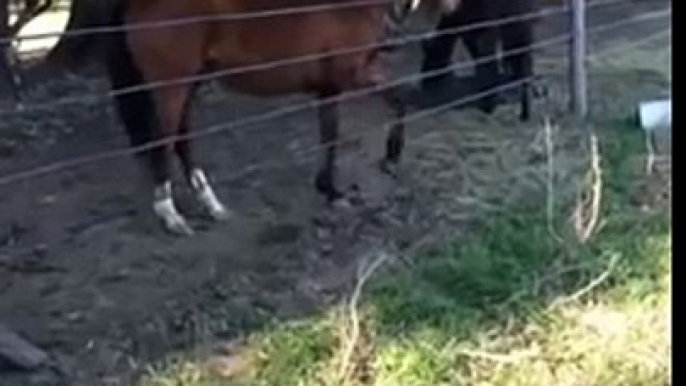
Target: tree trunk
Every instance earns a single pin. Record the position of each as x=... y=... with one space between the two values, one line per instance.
x=74 y=50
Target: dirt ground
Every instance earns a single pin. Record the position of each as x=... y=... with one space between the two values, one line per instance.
x=87 y=276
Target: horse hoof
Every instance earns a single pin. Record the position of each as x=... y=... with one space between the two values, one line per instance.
x=216 y=210
x=487 y=108
x=220 y=214
x=326 y=187
x=389 y=167
x=342 y=204
x=540 y=91
x=179 y=227
x=173 y=221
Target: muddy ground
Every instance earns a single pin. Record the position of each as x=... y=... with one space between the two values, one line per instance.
x=87 y=276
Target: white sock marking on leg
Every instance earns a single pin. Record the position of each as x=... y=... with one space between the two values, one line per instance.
x=206 y=196
x=165 y=209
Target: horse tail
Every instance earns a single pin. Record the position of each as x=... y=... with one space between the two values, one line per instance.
x=136 y=109
x=73 y=52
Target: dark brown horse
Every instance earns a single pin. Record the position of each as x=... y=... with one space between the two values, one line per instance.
x=514 y=37
x=164 y=54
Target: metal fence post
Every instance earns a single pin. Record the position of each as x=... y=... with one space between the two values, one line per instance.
x=577 y=59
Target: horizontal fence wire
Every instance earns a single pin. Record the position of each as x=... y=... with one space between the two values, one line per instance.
x=446 y=106
x=291 y=109
x=306 y=153
x=257 y=118
x=213 y=75
x=301 y=59
x=216 y=17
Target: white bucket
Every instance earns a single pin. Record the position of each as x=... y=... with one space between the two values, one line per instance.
x=655 y=114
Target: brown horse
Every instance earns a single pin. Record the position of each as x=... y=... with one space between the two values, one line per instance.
x=163 y=54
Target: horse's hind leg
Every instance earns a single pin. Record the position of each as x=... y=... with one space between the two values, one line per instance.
x=196 y=176
x=395 y=142
x=138 y=114
x=482 y=47
x=438 y=51
x=518 y=38
x=170 y=103
x=328 y=127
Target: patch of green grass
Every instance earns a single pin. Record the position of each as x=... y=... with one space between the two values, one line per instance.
x=507 y=306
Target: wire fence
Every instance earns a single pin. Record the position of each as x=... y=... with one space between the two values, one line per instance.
x=301 y=59
x=305 y=154
x=230 y=16
x=295 y=108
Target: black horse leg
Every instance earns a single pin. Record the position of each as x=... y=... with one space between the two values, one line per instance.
x=438 y=51
x=195 y=175
x=328 y=128
x=482 y=47
x=518 y=38
x=395 y=142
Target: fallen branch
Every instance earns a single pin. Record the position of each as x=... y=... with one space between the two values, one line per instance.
x=589 y=287
x=650 y=148
x=353 y=337
x=550 y=181
x=584 y=229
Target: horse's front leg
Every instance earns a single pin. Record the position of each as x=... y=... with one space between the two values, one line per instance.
x=395 y=141
x=195 y=175
x=519 y=37
x=170 y=103
x=325 y=182
x=482 y=46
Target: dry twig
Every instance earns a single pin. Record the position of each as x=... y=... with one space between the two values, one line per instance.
x=589 y=287
x=354 y=334
x=550 y=181
x=587 y=211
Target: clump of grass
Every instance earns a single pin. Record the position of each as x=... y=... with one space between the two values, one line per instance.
x=510 y=305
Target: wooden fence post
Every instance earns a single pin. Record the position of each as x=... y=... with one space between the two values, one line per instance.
x=577 y=59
